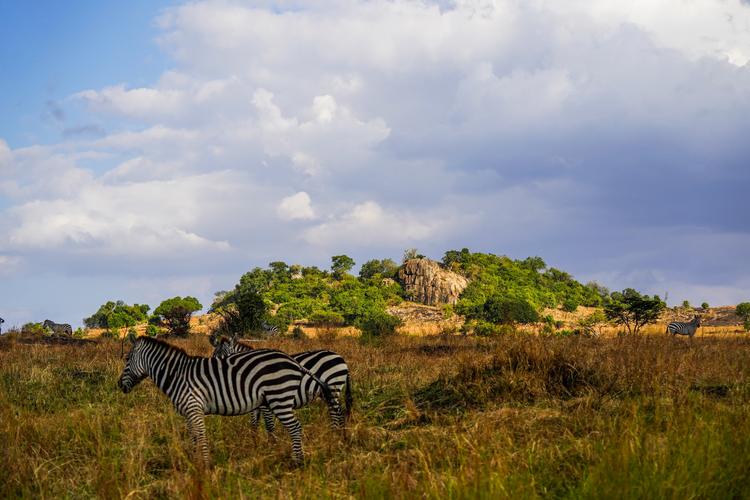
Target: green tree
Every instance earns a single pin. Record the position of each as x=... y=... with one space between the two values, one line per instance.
x=705 y=306
x=340 y=265
x=743 y=311
x=509 y=310
x=242 y=309
x=128 y=315
x=176 y=313
x=633 y=310
x=386 y=268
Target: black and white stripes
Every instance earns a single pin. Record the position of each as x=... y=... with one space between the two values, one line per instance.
x=682 y=328
x=58 y=328
x=328 y=366
x=235 y=385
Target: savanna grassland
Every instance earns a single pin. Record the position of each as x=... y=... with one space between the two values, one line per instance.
x=440 y=417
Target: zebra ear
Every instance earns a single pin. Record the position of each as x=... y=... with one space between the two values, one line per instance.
x=212 y=339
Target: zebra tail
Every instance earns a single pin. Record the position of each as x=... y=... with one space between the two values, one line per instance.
x=327 y=394
x=348 y=397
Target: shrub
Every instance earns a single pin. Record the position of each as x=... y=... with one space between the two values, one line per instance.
x=79 y=333
x=686 y=304
x=152 y=330
x=33 y=329
x=326 y=318
x=385 y=268
x=705 y=306
x=743 y=311
x=126 y=315
x=508 y=310
x=570 y=305
x=379 y=325
x=298 y=333
x=176 y=313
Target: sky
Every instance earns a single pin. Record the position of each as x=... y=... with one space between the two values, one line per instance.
x=151 y=149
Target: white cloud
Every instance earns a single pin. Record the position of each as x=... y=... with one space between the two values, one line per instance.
x=369 y=224
x=296 y=206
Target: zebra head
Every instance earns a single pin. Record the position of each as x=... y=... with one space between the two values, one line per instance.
x=135 y=367
x=224 y=347
x=697 y=320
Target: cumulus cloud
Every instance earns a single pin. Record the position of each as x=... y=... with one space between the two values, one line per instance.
x=296 y=206
x=589 y=133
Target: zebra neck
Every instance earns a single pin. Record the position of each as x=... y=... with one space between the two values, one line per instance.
x=166 y=367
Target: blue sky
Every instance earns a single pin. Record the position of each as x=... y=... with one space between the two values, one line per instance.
x=149 y=149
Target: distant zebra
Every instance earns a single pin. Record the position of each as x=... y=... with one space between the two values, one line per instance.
x=269 y=329
x=1 y=325
x=682 y=328
x=328 y=366
x=58 y=328
x=234 y=385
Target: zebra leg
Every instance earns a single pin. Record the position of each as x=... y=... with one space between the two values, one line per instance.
x=197 y=429
x=283 y=411
x=254 y=418
x=268 y=419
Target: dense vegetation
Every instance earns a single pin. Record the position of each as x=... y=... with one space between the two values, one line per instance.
x=282 y=293
x=497 y=278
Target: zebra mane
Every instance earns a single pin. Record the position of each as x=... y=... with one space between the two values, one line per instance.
x=167 y=345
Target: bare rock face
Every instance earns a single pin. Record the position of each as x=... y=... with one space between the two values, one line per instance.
x=426 y=281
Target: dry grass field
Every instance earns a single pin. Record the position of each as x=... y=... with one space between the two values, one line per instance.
x=439 y=417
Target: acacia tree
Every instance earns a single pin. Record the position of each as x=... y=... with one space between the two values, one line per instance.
x=633 y=310
x=176 y=313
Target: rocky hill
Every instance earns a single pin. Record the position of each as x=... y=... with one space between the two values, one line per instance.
x=427 y=282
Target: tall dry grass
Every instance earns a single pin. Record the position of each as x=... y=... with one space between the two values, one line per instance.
x=440 y=417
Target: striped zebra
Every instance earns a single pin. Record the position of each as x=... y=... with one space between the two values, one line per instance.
x=234 y=385
x=682 y=328
x=269 y=329
x=1 y=325
x=58 y=328
x=326 y=365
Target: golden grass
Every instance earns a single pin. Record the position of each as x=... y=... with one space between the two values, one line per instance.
x=437 y=417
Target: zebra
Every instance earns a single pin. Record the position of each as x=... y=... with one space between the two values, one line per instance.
x=235 y=385
x=328 y=366
x=1 y=325
x=58 y=328
x=269 y=329
x=682 y=328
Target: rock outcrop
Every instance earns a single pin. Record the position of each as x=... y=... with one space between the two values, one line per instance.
x=427 y=282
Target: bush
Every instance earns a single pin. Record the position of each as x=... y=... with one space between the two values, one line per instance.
x=298 y=333
x=79 y=333
x=118 y=313
x=152 y=330
x=704 y=306
x=743 y=311
x=508 y=310
x=33 y=329
x=326 y=318
x=379 y=325
x=570 y=305
x=176 y=313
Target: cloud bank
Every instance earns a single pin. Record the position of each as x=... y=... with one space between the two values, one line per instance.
x=606 y=137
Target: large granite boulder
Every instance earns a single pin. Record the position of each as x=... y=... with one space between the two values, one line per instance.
x=427 y=282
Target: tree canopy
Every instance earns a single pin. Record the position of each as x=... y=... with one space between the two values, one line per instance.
x=176 y=313
x=633 y=310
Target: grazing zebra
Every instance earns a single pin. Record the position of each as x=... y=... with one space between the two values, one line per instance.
x=326 y=365
x=682 y=328
x=58 y=328
x=234 y=385
x=269 y=329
